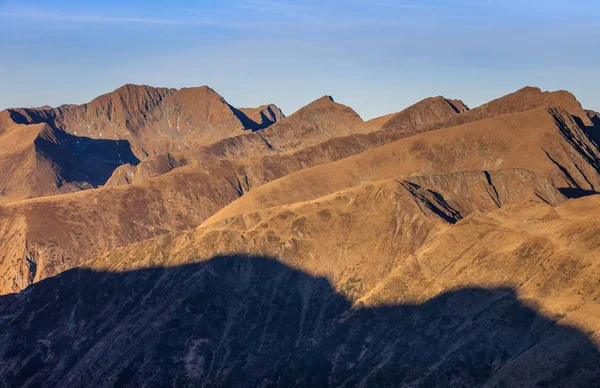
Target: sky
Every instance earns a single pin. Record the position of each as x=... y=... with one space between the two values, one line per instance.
x=376 y=56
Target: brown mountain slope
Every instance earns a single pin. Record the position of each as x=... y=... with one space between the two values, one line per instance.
x=416 y=117
x=55 y=233
x=474 y=146
x=238 y=178
x=51 y=237
x=522 y=100
x=396 y=218
x=426 y=115
x=550 y=256
x=315 y=123
x=419 y=117
x=153 y=120
x=548 y=142
x=373 y=125
x=436 y=110
x=38 y=160
x=373 y=270
x=319 y=141
x=89 y=141
x=227 y=319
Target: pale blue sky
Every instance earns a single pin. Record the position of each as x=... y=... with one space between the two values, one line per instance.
x=376 y=56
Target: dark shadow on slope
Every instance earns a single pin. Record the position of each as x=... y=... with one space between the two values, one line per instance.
x=83 y=159
x=266 y=121
x=247 y=122
x=573 y=192
x=252 y=321
x=596 y=123
x=34 y=116
x=592 y=133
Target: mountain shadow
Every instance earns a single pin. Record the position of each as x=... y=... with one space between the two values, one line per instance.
x=245 y=120
x=574 y=192
x=252 y=321
x=83 y=159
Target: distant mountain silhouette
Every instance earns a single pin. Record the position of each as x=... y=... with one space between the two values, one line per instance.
x=252 y=321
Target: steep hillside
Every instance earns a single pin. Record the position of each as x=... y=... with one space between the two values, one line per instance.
x=80 y=146
x=428 y=312
x=55 y=233
x=426 y=115
x=153 y=120
x=548 y=142
x=51 y=237
x=522 y=100
x=38 y=160
x=316 y=134
x=322 y=236
x=437 y=246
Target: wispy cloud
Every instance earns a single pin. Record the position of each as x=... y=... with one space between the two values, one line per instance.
x=84 y=18
x=193 y=17
x=391 y=4
x=272 y=6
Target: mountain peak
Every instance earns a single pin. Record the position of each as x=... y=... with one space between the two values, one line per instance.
x=425 y=113
x=531 y=97
x=325 y=100
x=529 y=89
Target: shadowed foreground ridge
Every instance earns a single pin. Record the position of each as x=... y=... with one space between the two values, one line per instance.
x=252 y=321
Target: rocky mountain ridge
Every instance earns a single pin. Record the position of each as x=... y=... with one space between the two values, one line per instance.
x=436 y=246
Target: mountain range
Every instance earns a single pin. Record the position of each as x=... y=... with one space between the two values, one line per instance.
x=156 y=237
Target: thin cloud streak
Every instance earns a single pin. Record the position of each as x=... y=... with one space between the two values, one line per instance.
x=272 y=6
x=80 y=18
x=407 y=6
x=104 y=19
